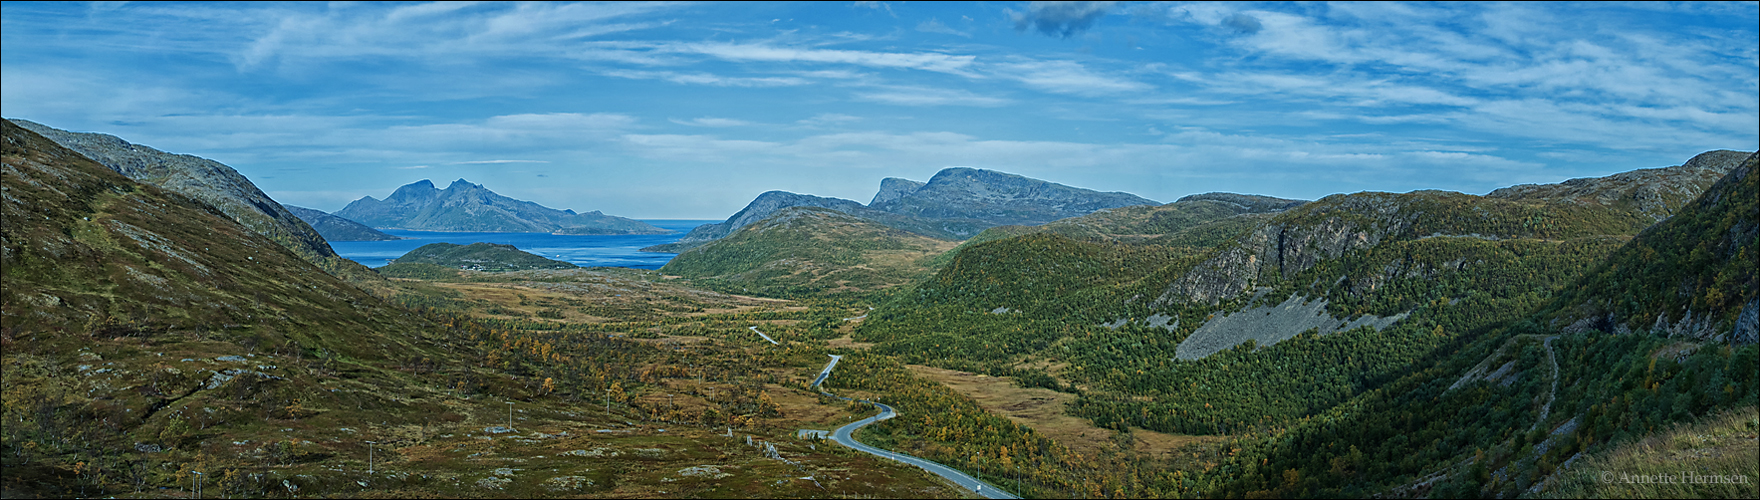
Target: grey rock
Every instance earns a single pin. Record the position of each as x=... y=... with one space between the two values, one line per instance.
x=893 y=188
x=1268 y=325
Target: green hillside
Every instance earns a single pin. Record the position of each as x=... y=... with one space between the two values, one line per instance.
x=151 y=343
x=809 y=249
x=476 y=257
x=1486 y=416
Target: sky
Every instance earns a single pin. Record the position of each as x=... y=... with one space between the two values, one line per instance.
x=688 y=111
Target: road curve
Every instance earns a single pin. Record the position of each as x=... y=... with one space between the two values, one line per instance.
x=846 y=436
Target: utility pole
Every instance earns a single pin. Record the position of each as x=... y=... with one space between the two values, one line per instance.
x=509 y=415
x=198 y=483
x=370 y=457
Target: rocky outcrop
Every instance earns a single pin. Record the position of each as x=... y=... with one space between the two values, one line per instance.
x=1657 y=193
x=464 y=206
x=207 y=180
x=334 y=228
x=1289 y=245
x=892 y=188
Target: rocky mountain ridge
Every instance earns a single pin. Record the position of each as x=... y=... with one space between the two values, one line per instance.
x=207 y=180
x=334 y=228
x=468 y=207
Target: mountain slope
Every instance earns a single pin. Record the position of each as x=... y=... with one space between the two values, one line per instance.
x=334 y=228
x=1621 y=204
x=468 y=207
x=1504 y=412
x=800 y=249
x=203 y=179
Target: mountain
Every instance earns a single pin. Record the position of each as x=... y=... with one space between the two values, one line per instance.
x=334 y=228
x=1620 y=204
x=148 y=336
x=955 y=204
x=810 y=249
x=761 y=207
x=1168 y=333
x=209 y=181
x=479 y=257
x=997 y=197
x=1527 y=406
x=468 y=207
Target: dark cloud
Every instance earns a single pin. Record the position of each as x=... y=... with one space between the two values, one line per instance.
x=1061 y=19
x=1243 y=23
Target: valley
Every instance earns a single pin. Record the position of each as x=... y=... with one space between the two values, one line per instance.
x=1413 y=344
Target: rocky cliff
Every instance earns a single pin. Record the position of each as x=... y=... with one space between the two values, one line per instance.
x=468 y=207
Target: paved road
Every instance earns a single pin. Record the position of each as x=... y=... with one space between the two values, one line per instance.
x=845 y=436
x=761 y=334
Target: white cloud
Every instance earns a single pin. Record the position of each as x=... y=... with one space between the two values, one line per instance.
x=708 y=79
x=925 y=96
x=934 y=26
x=711 y=122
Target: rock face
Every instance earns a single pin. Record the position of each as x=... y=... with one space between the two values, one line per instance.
x=998 y=198
x=464 y=206
x=892 y=188
x=1655 y=192
x=207 y=180
x=1267 y=325
x=334 y=228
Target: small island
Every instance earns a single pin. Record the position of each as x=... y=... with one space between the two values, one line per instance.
x=475 y=257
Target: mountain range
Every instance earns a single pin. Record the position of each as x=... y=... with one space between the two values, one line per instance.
x=955 y=204
x=467 y=207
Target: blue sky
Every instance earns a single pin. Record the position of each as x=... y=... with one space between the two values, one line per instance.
x=691 y=110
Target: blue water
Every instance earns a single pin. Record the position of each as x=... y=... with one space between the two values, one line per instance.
x=581 y=250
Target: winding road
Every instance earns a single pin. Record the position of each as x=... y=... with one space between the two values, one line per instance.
x=845 y=436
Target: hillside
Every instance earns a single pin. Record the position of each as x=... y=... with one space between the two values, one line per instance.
x=334 y=228
x=467 y=207
x=800 y=249
x=479 y=257
x=151 y=343
x=210 y=182
x=956 y=204
x=1378 y=280
x=1508 y=411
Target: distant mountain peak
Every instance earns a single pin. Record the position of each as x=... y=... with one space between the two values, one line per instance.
x=465 y=206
